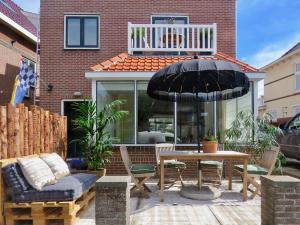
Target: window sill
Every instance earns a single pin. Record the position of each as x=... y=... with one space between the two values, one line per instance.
x=81 y=48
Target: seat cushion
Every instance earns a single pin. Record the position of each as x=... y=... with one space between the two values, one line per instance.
x=142 y=168
x=14 y=179
x=57 y=165
x=66 y=189
x=252 y=169
x=37 y=172
x=212 y=164
x=174 y=164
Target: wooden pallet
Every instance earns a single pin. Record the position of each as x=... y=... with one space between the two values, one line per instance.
x=43 y=213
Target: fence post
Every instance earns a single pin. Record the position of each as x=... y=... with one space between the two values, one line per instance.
x=3 y=131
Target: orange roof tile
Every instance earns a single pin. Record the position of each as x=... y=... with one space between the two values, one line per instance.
x=124 y=62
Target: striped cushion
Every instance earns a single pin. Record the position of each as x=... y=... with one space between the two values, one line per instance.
x=57 y=165
x=37 y=172
x=252 y=169
x=14 y=179
x=142 y=168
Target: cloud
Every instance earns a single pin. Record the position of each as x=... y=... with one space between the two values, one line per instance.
x=272 y=51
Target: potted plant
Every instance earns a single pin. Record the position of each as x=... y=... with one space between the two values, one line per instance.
x=96 y=140
x=210 y=144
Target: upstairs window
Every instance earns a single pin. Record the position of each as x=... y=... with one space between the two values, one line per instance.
x=297 y=74
x=273 y=114
x=81 y=32
x=296 y=109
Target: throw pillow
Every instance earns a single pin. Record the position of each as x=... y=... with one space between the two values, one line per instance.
x=37 y=172
x=58 y=166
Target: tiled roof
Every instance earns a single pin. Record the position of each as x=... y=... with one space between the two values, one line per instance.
x=124 y=62
x=14 y=12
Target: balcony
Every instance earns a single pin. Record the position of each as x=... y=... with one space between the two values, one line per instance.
x=167 y=38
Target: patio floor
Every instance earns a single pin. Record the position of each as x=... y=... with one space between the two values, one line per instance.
x=229 y=209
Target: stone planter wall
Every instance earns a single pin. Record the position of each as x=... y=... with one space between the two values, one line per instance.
x=113 y=200
x=280 y=200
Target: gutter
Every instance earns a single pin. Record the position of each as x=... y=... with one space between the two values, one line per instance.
x=31 y=37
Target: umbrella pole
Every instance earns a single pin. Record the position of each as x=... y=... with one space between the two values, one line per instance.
x=198 y=142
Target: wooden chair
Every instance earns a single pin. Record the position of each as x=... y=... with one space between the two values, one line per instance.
x=214 y=167
x=265 y=166
x=170 y=164
x=140 y=173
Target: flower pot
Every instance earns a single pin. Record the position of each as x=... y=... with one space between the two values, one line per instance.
x=99 y=173
x=210 y=146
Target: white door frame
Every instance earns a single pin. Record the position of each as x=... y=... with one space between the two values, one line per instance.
x=62 y=110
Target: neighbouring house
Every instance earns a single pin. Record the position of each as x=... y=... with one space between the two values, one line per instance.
x=18 y=41
x=108 y=50
x=282 y=86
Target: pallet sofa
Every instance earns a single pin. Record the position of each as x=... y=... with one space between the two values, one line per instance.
x=59 y=203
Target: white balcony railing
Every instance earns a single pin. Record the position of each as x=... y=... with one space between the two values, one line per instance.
x=172 y=38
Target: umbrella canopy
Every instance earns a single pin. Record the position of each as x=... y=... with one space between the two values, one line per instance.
x=202 y=80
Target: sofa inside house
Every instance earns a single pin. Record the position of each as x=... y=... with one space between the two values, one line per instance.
x=44 y=181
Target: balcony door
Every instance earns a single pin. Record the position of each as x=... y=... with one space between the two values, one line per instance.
x=159 y=35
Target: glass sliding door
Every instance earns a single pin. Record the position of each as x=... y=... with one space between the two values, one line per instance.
x=187 y=121
x=159 y=34
x=108 y=91
x=155 y=119
x=227 y=110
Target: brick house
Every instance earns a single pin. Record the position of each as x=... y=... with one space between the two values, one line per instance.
x=108 y=50
x=17 y=41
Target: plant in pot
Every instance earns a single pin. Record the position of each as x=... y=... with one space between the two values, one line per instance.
x=210 y=144
x=96 y=139
x=254 y=136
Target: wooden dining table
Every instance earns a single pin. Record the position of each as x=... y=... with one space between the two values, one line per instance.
x=227 y=156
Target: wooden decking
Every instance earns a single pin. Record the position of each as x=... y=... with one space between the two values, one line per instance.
x=227 y=210
x=198 y=215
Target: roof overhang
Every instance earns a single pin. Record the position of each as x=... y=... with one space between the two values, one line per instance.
x=31 y=37
x=280 y=59
x=106 y=75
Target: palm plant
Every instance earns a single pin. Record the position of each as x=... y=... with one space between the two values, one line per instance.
x=257 y=134
x=97 y=140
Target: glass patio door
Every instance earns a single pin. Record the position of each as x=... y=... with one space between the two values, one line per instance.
x=160 y=34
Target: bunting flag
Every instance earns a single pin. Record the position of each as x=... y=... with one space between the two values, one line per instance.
x=23 y=81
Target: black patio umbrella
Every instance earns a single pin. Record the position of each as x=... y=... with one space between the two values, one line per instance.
x=198 y=81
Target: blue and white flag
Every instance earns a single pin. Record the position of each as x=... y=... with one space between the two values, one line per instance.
x=24 y=80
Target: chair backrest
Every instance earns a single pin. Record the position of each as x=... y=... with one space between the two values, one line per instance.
x=163 y=147
x=268 y=159
x=126 y=159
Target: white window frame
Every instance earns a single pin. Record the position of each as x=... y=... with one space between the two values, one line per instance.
x=146 y=78
x=272 y=112
x=170 y=15
x=297 y=75
x=65 y=31
x=296 y=107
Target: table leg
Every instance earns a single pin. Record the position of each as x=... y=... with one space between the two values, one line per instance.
x=245 y=180
x=229 y=174
x=162 y=179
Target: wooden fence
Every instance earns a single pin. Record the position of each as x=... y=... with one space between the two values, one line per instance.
x=26 y=131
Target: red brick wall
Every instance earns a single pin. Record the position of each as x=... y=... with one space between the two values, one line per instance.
x=65 y=69
x=10 y=56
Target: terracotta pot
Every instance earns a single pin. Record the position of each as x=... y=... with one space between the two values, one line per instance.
x=99 y=173
x=210 y=146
